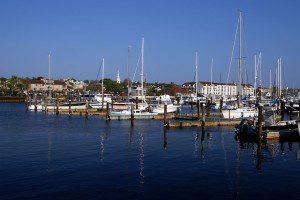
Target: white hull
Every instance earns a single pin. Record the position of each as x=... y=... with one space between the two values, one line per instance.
x=39 y=107
x=239 y=113
x=128 y=113
x=160 y=109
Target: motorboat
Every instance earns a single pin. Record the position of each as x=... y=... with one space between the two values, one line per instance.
x=244 y=112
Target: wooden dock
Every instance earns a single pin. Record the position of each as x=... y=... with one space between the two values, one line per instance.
x=156 y=117
x=208 y=123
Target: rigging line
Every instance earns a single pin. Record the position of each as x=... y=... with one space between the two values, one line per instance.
x=95 y=83
x=230 y=63
x=137 y=65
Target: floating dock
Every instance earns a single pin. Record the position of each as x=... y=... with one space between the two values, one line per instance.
x=208 y=123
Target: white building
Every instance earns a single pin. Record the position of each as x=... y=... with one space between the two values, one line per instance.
x=219 y=89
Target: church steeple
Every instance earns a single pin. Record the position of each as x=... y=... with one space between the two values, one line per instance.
x=118 y=77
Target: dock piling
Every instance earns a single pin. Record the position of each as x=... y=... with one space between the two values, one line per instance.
x=57 y=106
x=221 y=104
x=26 y=101
x=198 y=109
x=107 y=112
x=35 y=102
x=282 y=109
x=86 y=109
x=260 y=118
x=136 y=103
x=70 y=111
x=165 y=114
x=132 y=114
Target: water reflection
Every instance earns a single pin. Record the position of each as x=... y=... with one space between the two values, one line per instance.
x=49 y=150
x=196 y=143
x=103 y=137
x=267 y=150
x=141 y=159
x=165 y=138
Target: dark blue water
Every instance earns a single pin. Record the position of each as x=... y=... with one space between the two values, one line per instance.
x=61 y=157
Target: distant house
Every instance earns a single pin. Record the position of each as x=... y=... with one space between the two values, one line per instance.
x=45 y=85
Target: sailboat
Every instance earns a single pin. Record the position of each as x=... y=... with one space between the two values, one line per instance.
x=142 y=105
x=100 y=101
x=240 y=112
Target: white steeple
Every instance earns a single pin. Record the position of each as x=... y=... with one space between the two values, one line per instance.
x=118 y=77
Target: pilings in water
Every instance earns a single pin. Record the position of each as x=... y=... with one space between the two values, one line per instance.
x=35 y=102
x=57 y=106
x=221 y=104
x=132 y=115
x=260 y=119
x=107 y=112
x=26 y=101
x=282 y=109
x=70 y=110
x=136 y=103
x=165 y=114
x=198 y=110
x=86 y=109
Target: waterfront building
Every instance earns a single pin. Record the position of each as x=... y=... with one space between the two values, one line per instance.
x=218 y=89
x=45 y=85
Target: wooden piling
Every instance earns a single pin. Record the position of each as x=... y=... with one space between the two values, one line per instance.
x=107 y=112
x=260 y=119
x=202 y=112
x=221 y=104
x=35 y=102
x=132 y=114
x=57 y=106
x=26 y=101
x=208 y=108
x=198 y=109
x=165 y=114
x=70 y=110
x=136 y=103
x=282 y=109
x=86 y=108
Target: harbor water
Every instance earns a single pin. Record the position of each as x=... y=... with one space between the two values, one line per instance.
x=45 y=156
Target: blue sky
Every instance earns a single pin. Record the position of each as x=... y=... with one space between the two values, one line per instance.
x=80 y=33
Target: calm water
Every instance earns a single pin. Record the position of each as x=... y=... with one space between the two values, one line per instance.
x=61 y=157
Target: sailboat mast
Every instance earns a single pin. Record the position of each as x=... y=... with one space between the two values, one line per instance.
x=196 y=74
x=102 y=83
x=211 y=70
x=270 y=86
x=255 y=75
x=49 y=74
x=240 y=61
x=142 y=74
x=280 y=77
x=49 y=67
x=128 y=75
